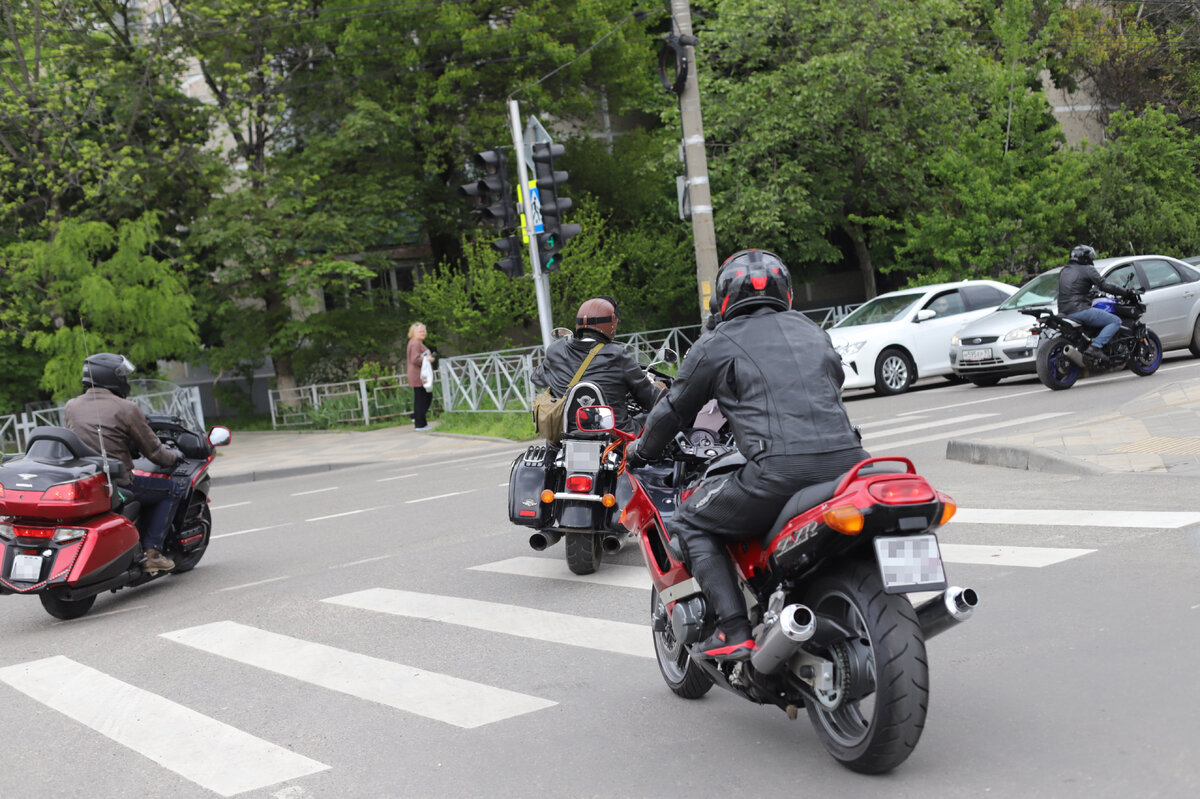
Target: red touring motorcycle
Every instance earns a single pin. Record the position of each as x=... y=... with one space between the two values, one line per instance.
x=65 y=538
x=825 y=589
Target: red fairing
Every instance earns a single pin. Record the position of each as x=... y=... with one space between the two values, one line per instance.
x=640 y=514
x=109 y=537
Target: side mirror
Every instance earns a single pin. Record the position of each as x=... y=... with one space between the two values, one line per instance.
x=219 y=436
x=925 y=314
x=561 y=332
x=595 y=419
x=667 y=355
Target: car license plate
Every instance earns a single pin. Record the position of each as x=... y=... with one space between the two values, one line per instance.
x=910 y=563
x=977 y=355
x=26 y=568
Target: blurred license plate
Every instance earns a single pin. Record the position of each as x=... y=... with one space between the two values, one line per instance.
x=583 y=456
x=910 y=563
x=27 y=568
x=977 y=355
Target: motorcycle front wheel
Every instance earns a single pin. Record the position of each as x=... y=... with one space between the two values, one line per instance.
x=1055 y=369
x=872 y=718
x=682 y=676
x=1147 y=355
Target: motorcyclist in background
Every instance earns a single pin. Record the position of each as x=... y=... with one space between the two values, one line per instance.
x=1075 y=284
x=778 y=381
x=613 y=370
x=103 y=411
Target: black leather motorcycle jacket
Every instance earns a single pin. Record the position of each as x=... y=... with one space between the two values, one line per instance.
x=613 y=370
x=775 y=376
x=1075 y=283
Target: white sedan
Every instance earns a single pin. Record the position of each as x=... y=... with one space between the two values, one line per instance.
x=890 y=341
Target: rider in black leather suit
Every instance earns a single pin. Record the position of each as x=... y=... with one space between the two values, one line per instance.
x=778 y=380
x=1076 y=282
x=613 y=370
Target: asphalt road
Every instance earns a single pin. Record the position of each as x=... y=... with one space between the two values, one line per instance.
x=384 y=632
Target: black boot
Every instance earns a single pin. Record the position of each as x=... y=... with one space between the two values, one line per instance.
x=714 y=572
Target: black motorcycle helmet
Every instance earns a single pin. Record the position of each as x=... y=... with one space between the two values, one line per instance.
x=1083 y=254
x=108 y=370
x=752 y=279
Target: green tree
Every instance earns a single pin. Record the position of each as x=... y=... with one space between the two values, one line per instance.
x=92 y=288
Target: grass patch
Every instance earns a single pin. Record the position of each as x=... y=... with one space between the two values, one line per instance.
x=515 y=425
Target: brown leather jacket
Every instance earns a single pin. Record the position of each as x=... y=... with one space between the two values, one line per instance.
x=123 y=424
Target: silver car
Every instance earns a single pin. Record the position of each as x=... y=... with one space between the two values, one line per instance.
x=1002 y=344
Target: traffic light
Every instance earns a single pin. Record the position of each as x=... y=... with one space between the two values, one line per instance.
x=555 y=233
x=491 y=198
x=511 y=263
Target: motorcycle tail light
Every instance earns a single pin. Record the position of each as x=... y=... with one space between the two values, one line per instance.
x=547 y=496
x=846 y=519
x=64 y=534
x=65 y=492
x=579 y=483
x=949 y=508
x=901 y=492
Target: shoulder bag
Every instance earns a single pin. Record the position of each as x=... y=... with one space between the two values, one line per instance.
x=548 y=411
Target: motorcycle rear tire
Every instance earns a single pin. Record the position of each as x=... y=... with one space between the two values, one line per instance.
x=681 y=675
x=877 y=732
x=65 y=609
x=1147 y=355
x=1054 y=369
x=583 y=552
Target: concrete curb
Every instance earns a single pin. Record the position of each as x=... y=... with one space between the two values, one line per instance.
x=1018 y=457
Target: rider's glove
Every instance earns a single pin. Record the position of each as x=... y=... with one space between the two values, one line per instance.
x=633 y=459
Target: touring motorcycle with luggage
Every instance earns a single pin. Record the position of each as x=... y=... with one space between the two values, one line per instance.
x=825 y=588
x=1062 y=352
x=65 y=534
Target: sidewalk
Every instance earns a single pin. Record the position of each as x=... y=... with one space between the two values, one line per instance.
x=1158 y=433
x=265 y=455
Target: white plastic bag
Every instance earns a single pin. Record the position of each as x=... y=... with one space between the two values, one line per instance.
x=426 y=372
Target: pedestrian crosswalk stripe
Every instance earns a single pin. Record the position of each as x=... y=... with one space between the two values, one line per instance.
x=891 y=446
x=441 y=697
x=926 y=425
x=214 y=755
x=1035 y=557
x=1137 y=519
x=542 y=625
x=556 y=569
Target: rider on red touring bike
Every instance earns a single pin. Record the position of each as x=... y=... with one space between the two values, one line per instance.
x=777 y=379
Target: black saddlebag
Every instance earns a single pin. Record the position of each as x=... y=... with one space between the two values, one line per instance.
x=525 y=485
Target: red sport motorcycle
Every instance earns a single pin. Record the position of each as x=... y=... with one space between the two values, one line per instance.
x=825 y=591
x=66 y=539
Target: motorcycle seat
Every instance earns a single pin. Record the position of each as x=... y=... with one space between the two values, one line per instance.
x=801 y=501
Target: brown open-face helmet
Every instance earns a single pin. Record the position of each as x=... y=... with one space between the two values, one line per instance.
x=599 y=314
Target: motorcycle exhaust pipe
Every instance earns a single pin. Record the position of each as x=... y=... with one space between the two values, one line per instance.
x=1073 y=355
x=612 y=544
x=940 y=613
x=544 y=538
x=796 y=624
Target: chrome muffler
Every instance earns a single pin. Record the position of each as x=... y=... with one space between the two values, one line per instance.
x=795 y=625
x=612 y=544
x=1073 y=355
x=940 y=613
x=544 y=538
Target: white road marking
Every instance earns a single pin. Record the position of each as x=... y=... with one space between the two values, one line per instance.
x=214 y=755
x=232 y=505
x=397 y=477
x=1136 y=519
x=892 y=420
x=511 y=455
x=439 y=496
x=315 y=491
x=556 y=569
x=360 y=562
x=425 y=693
x=541 y=625
x=346 y=513
x=252 y=530
x=890 y=446
x=502 y=485
x=251 y=585
x=1034 y=557
x=926 y=425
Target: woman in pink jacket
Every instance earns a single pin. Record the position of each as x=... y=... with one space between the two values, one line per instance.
x=417 y=353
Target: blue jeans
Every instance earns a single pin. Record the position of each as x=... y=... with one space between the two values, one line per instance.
x=1094 y=317
x=157 y=496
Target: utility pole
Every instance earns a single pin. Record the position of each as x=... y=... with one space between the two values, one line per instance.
x=541 y=282
x=695 y=159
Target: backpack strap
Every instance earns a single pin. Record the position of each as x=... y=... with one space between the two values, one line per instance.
x=583 y=366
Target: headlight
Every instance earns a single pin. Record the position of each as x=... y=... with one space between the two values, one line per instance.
x=1019 y=333
x=846 y=350
x=954 y=342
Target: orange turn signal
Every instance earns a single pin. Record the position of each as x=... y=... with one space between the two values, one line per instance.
x=846 y=519
x=949 y=508
x=547 y=496
x=608 y=500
